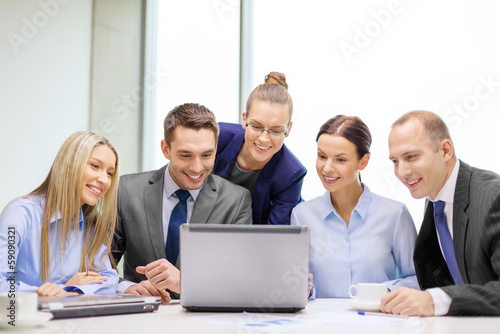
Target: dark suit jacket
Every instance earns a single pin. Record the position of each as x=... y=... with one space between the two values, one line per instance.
x=278 y=187
x=139 y=229
x=476 y=234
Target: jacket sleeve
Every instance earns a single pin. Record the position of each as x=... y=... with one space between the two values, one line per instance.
x=118 y=244
x=243 y=212
x=288 y=197
x=481 y=299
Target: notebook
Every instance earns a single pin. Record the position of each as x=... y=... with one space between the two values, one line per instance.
x=93 y=305
x=261 y=268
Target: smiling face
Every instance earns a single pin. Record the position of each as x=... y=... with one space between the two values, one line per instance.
x=191 y=155
x=338 y=163
x=421 y=167
x=97 y=175
x=259 y=148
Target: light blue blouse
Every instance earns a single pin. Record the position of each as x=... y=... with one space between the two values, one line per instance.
x=376 y=248
x=20 y=232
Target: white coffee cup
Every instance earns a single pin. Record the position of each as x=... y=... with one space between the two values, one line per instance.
x=17 y=306
x=368 y=292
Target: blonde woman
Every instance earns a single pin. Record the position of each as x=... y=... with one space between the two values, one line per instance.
x=56 y=239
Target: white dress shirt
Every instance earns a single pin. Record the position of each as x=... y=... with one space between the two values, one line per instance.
x=170 y=200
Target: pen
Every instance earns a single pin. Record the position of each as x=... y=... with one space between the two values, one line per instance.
x=86 y=264
x=382 y=314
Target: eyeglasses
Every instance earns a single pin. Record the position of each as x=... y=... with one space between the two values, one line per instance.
x=258 y=130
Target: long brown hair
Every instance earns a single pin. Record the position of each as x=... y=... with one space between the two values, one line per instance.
x=62 y=190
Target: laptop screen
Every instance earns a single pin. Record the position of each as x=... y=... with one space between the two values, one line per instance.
x=244 y=267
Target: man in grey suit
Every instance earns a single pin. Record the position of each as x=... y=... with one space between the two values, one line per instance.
x=148 y=202
x=462 y=279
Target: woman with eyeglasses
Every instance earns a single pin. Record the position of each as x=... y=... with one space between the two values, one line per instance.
x=356 y=236
x=253 y=154
x=56 y=240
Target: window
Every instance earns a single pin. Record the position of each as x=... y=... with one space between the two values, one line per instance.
x=197 y=61
x=374 y=59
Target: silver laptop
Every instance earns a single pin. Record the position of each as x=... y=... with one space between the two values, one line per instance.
x=93 y=305
x=260 y=268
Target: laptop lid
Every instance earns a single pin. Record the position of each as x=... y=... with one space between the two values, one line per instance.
x=244 y=267
x=93 y=305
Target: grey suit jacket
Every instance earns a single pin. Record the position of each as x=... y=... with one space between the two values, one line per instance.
x=139 y=229
x=476 y=234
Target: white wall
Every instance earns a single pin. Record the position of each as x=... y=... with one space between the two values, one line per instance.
x=44 y=86
x=116 y=87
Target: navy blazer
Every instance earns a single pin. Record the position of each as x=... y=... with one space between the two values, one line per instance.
x=278 y=187
x=476 y=232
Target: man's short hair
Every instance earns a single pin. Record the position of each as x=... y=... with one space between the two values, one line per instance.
x=191 y=116
x=435 y=127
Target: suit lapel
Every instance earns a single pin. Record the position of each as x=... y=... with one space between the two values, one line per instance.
x=460 y=218
x=430 y=265
x=205 y=202
x=153 y=203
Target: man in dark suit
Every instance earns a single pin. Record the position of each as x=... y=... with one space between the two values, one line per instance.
x=457 y=255
x=149 y=203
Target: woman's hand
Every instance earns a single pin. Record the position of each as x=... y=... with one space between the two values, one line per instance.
x=52 y=289
x=82 y=278
x=310 y=284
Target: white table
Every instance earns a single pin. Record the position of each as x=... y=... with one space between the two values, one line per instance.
x=320 y=316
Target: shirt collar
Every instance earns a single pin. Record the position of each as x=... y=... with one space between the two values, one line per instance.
x=447 y=192
x=364 y=201
x=170 y=187
x=326 y=207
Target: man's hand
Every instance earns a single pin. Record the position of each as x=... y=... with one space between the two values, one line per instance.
x=405 y=301
x=145 y=288
x=162 y=275
x=52 y=289
x=82 y=278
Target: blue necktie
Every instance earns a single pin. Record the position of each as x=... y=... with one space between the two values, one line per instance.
x=446 y=241
x=177 y=218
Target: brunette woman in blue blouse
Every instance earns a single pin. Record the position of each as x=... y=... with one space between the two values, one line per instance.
x=253 y=154
x=356 y=235
x=60 y=234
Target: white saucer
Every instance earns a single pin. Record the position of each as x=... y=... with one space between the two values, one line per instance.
x=39 y=319
x=364 y=306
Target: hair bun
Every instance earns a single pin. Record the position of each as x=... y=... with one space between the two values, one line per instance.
x=276 y=78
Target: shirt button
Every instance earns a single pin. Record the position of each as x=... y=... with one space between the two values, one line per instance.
x=347 y=239
x=347 y=264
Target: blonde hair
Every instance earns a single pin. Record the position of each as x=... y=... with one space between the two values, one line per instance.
x=273 y=90
x=62 y=190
